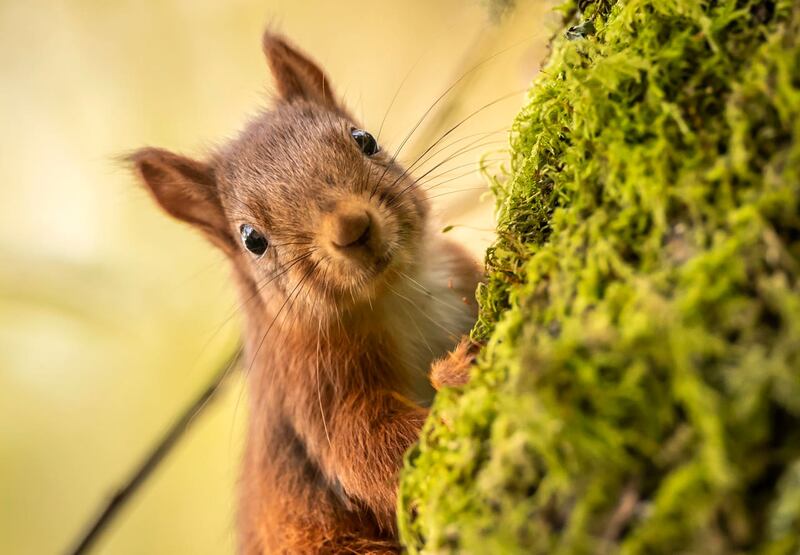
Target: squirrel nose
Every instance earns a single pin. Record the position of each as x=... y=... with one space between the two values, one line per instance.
x=350 y=226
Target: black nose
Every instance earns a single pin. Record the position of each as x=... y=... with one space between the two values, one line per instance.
x=350 y=227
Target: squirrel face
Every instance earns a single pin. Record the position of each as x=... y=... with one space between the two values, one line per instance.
x=304 y=201
x=335 y=211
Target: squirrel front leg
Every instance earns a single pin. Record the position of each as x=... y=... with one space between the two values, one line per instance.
x=370 y=435
x=390 y=425
x=368 y=438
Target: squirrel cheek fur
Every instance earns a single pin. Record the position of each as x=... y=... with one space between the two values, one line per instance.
x=346 y=309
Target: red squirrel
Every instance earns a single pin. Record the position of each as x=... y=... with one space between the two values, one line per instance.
x=351 y=301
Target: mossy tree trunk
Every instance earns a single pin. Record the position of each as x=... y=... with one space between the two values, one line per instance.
x=639 y=391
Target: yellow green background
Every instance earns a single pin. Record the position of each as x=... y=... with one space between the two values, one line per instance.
x=112 y=317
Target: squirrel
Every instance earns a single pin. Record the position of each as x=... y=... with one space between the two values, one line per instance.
x=355 y=309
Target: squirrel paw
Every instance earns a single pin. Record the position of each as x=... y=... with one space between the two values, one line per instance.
x=453 y=369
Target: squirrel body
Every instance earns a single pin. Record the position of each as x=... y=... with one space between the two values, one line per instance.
x=349 y=296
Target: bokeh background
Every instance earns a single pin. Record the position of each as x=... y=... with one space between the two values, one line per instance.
x=113 y=317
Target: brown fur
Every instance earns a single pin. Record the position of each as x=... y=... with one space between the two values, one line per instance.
x=453 y=370
x=339 y=323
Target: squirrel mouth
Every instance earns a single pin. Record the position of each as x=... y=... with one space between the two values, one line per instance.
x=381 y=263
x=369 y=261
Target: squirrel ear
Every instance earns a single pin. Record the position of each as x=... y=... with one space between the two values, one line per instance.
x=296 y=76
x=186 y=189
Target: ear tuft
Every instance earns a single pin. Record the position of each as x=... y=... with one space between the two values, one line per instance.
x=296 y=76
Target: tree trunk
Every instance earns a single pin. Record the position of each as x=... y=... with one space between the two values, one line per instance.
x=639 y=391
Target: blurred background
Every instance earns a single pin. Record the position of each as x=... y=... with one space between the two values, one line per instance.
x=112 y=316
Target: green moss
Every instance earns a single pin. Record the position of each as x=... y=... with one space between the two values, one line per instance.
x=639 y=391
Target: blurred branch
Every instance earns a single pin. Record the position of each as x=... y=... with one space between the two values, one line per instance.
x=159 y=451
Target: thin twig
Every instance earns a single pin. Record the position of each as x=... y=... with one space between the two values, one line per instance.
x=173 y=435
x=626 y=509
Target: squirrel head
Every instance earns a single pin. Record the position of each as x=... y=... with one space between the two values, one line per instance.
x=304 y=201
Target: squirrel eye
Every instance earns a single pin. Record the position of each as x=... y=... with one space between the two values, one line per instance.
x=365 y=141
x=253 y=240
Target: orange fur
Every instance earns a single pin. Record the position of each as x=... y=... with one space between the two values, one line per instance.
x=344 y=313
x=453 y=370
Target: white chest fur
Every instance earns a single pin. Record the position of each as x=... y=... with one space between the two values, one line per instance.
x=428 y=316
